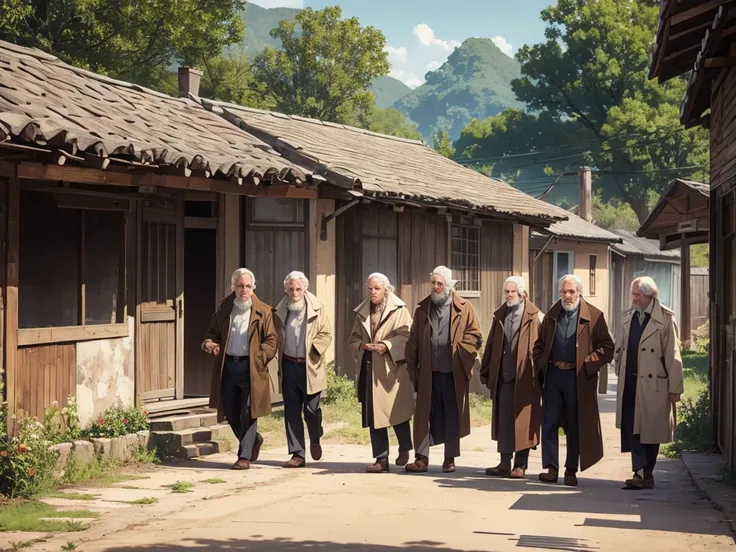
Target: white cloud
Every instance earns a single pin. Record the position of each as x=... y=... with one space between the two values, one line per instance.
x=503 y=45
x=434 y=65
x=299 y=4
x=426 y=37
x=408 y=78
x=396 y=55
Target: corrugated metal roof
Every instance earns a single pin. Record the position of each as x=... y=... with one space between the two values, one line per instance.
x=642 y=247
x=579 y=229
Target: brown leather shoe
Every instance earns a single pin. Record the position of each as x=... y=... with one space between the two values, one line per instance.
x=549 y=477
x=241 y=464
x=518 y=473
x=502 y=470
x=296 y=461
x=448 y=466
x=648 y=481
x=419 y=465
x=256 y=447
x=571 y=480
x=402 y=458
x=380 y=466
x=315 y=449
x=636 y=483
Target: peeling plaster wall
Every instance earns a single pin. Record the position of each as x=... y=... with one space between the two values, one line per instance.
x=105 y=374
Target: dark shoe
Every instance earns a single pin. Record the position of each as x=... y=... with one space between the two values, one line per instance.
x=296 y=461
x=419 y=465
x=518 y=473
x=502 y=470
x=380 y=466
x=402 y=458
x=315 y=449
x=241 y=464
x=549 y=477
x=648 y=481
x=256 y=447
x=636 y=483
x=448 y=466
x=571 y=480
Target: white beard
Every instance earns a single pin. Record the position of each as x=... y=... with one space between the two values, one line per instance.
x=513 y=303
x=244 y=305
x=296 y=307
x=570 y=308
x=440 y=299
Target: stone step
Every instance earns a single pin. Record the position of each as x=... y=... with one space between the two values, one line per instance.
x=185 y=421
x=204 y=448
x=168 y=440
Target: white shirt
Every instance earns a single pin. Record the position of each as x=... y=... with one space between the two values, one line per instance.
x=237 y=344
x=294 y=331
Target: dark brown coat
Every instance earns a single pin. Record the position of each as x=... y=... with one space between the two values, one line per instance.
x=594 y=351
x=527 y=391
x=466 y=339
x=263 y=344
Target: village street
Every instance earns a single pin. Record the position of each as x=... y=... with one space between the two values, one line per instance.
x=333 y=506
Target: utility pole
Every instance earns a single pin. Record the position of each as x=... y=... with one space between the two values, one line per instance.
x=585 y=200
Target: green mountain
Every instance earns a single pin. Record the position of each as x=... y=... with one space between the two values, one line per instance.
x=475 y=81
x=388 y=91
x=258 y=24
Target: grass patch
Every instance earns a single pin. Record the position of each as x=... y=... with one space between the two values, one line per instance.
x=144 y=500
x=70 y=496
x=69 y=546
x=101 y=472
x=25 y=515
x=181 y=487
x=481 y=408
x=214 y=481
x=21 y=545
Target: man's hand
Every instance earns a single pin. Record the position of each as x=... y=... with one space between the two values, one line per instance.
x=212 y=348
x=675 y=397
x=380 y=348
x=369 y=347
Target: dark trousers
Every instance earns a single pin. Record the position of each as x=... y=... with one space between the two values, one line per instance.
x=521 y=459
x=296 y=401
x=504 y=411
x=643 y=456
x=236 y=404
x=444 y=422
x=379 y=439
x=560 y=394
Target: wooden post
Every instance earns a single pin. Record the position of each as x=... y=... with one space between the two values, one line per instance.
x=585 y=201
x=11 y=304
x=685 y=318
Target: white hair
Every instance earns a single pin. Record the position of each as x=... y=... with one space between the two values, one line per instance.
x=296 y=275
x=446 y=274
x=238 y=273
x=577 y=281
x=383 y=279
x=647 y=286
x=519 y=282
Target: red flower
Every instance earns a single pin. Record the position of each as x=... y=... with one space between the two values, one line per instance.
x=145 y=412
x=101 y=421
x=31 y=472
x=22 y=448
x=3 y=453
x=125 y=420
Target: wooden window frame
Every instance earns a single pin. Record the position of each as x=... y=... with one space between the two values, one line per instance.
x=592 y=275
x=468 y=293
x=82 y=331
x=555 y=279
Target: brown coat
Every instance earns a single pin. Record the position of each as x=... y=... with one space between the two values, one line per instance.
x=466 y=340
x=594 y=351
x=527 y=391
x=263 y=344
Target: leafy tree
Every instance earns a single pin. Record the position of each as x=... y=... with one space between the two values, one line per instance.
x=325 y=68
x=391 y=121
x=614 y=214
x=443 y=145
x=229 y=79
x=128 y=39
x=700 y=255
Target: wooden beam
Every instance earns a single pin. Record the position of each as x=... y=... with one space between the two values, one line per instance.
x=68 y=334
x=11 y=281
x=685 y=321
x=200 y=223
x=697 y=10
x=723 y=61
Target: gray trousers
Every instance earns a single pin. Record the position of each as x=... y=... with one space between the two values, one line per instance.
x=296 y=401
x=560 y=393
x=379 y=439
x=504 y=412
x=236 y=404
x=444 y=422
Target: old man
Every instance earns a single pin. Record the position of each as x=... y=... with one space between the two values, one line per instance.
x=649 y=370
x=243 y=339
x=573 y=345
x=508 y=372
x=385 y=391
x=443 y=345
x=305 y=333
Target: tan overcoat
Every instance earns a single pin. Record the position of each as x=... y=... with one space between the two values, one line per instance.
x=466 y=340
x=262 y=346
x=316 y=341
x=659 y=370
x=527 y=390
x=594 y=348
x=393 y=396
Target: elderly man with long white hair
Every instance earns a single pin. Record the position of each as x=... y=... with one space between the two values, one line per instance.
x=305 y=333
x=443 y=345
x=573 y=345
x=243 y=339
x=649 y=370
x=509 y=373
x=378 y=342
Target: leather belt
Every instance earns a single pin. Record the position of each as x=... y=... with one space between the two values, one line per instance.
x=295 y=360
x=564 y=365
x=236 y=358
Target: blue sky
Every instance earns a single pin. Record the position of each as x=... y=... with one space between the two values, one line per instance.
x=420 y=34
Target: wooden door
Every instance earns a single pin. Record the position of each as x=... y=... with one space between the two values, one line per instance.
x=159 y=349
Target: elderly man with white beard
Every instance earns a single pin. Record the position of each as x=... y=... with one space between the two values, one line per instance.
x=573 y=345
x=305 y=332
x=443 y=344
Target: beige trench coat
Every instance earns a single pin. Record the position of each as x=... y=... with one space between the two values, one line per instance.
x=393 y=396
x=317 y=340
x=660 y=373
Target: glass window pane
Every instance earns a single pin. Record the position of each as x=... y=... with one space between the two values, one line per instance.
x=104 y=239
x=276 y=209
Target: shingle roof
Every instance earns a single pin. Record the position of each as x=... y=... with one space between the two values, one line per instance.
x=385 y=166
x=47 y=103
x=635 y=246
x=684 y=201
x=579 y=229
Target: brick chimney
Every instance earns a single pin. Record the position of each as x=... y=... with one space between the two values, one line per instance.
x=585 y=200
x=189 y=81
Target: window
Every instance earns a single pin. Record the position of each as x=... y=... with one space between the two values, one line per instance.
x=563 y=265
x=276 y=210
x=71 y=262
x=465 y=256
x=591 y=284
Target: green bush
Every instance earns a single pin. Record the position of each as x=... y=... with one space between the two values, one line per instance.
x=117 y=421
x=694 y=425
x=340 y=389
x=701 y=336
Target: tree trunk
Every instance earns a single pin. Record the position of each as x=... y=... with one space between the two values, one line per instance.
x=640 y=207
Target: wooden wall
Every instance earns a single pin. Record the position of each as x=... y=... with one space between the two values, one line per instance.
x=44 y=374
x=699 y=287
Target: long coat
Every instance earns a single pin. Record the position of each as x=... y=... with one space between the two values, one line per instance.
x=262 y=345
x=393 y=397
x=466 y=340
x=594 y=350
x=527 y=389
x=316 y=341
x=659 y=368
